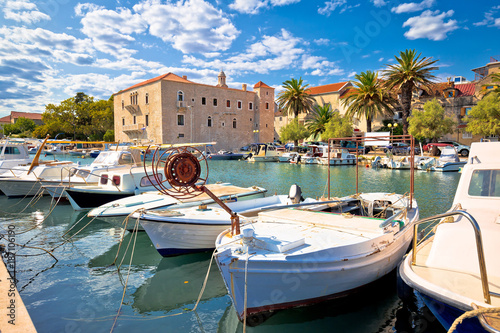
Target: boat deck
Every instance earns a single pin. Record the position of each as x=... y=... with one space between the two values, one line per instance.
x=466 y=284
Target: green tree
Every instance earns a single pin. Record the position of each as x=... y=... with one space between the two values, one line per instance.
x=410 y=72
x=79 y=117
x=294 y=99
x=337 y=127
x=294 y=131
x=369 y=99
x=109 y=136
x=431 y=123
x=321 y=116
x=22 y=127
x=484 y=118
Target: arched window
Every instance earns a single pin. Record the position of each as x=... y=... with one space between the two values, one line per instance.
x=234 y=122
x=180 y=96
x=209 y=121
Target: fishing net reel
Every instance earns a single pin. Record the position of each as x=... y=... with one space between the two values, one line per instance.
x=186 y=173
x=179 y=172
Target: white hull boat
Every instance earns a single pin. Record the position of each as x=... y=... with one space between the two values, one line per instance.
x=115 y=212
x=456 y=269
x=303 y=257
x=195 y=229
x=448 y=161
x=338 y=156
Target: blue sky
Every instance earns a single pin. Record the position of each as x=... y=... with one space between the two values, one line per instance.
x=52 y=49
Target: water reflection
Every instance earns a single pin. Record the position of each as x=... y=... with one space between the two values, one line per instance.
x=177 y=284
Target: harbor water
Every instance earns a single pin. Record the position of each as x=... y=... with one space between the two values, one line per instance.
x=79 y=288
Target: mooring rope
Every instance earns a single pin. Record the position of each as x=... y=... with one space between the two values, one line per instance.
x=471 y=314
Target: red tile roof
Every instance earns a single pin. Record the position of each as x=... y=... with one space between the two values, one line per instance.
x=328 y=88
x=466 y=89
x=261 y=84
x=28 y=115
x=168 y=76
x=5 y=119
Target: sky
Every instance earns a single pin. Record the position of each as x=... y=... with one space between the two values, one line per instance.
x=52 y=49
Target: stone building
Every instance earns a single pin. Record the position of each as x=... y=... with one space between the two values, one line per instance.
x=172 y=109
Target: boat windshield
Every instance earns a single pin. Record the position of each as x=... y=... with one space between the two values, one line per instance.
x=113 y=158
x=485 y=183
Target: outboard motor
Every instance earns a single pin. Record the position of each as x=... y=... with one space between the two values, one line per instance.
x=295 y=194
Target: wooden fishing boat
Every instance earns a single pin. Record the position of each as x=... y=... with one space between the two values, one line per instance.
x=115 y=212
x=194 y=229
x=296 y=257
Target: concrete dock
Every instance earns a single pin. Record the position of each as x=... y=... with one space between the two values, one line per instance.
x=13 y=314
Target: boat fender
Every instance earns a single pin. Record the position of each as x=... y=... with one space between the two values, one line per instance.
x=295 y=194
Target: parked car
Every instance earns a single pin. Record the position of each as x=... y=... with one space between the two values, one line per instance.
x=401 y=148
x=463 y=150
x=351 y=147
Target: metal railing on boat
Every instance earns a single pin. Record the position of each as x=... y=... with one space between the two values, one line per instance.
x=479 y=245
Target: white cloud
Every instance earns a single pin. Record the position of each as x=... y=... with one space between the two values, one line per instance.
x=489 y=18
x=254 y=6
x=379 y=3
x=23 y=11
x=190 y=26
x=430 y=25
x=412 y=6
x=330 y=7
x=322 y=41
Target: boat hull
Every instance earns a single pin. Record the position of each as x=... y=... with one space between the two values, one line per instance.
x=171 y=239
x=19 y=188
x=291 y=282
x=81 y=200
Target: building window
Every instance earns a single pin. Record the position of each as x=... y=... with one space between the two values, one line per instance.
x=281 y=118
x=209 y=124
x=180 y=96
x=267 y=92
x=228 y=103
x=234 y=122
x=266 y=125
x=180 y=119
x=250 y=119
x=123 y=121
x=123 y=104
x=203 y=101
x=135 y=120
x=133 y=98
x=147 y=98
x=267 y=106
x=239 y=104
x=215 y=101
x=147 y=120
x=180 y=135
x=466 y=135
x=222 y=124
x=250 y=106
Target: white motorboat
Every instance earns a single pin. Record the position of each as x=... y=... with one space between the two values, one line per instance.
x=194 y=229
x=115 y=212
x=456 y=269
x=338 y=156
x=91 y=174
x=13 y=153
x=448 y=161
x=295 y=257
x=288 y=156
x=113 y=185
x=404 y=162
x=262 y=152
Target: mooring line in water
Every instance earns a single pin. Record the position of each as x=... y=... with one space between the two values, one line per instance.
x=128 y=275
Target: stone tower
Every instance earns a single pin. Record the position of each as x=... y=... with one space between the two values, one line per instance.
x=221 y=80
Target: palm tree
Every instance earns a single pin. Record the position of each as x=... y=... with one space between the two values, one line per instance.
x=410 y=72
x=294 y=99
x=321 y=116
x=495 y=80
x=369 y=99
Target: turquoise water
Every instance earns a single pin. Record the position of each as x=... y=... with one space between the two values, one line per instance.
x=82 y=291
